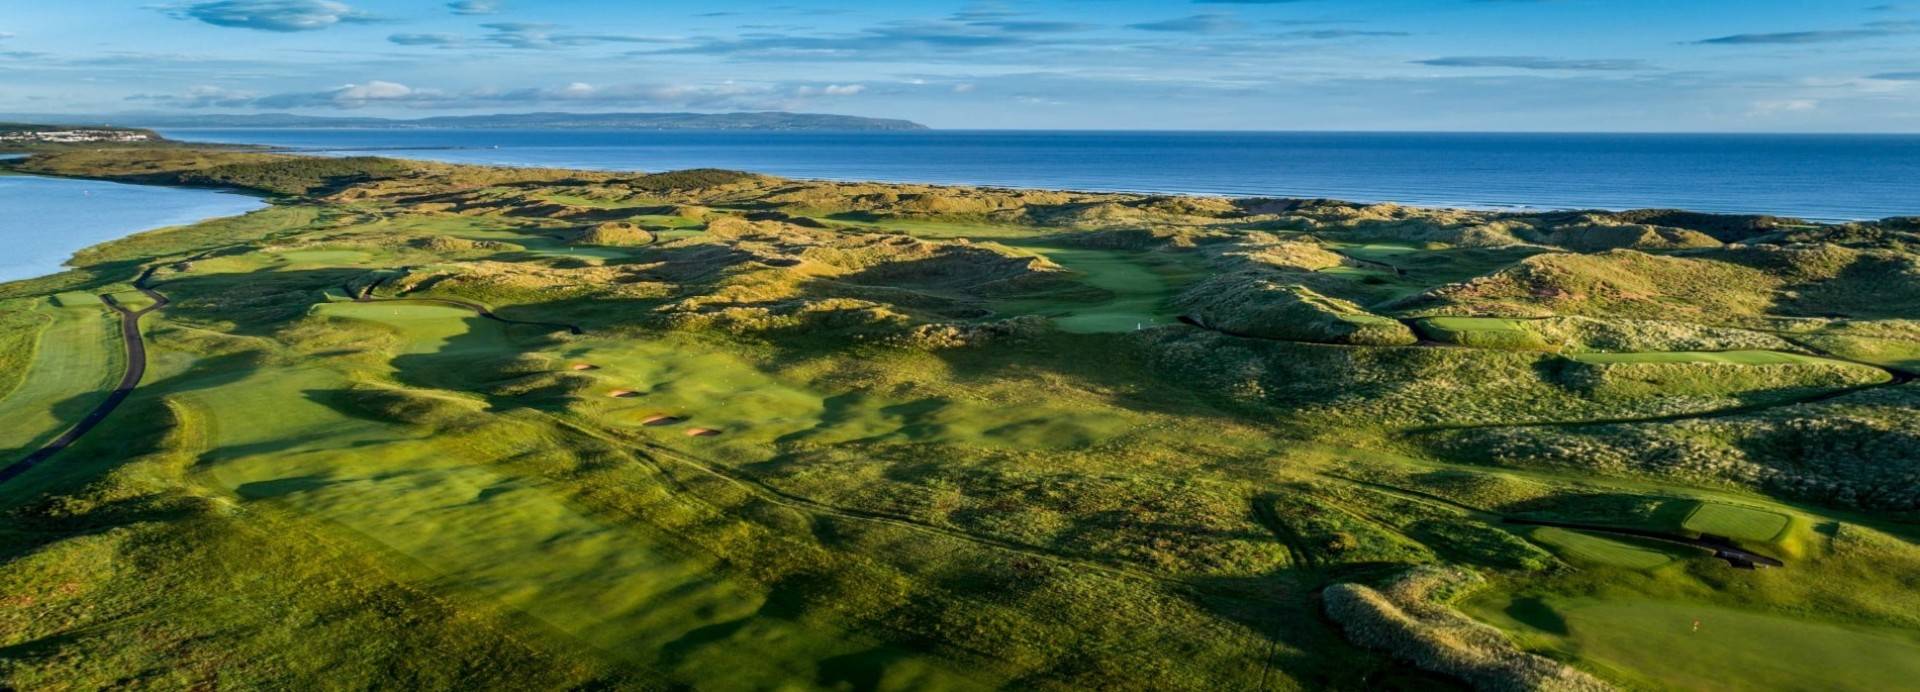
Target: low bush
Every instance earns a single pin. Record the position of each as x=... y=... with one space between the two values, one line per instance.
x=1409 y=618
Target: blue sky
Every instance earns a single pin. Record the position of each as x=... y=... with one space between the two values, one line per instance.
x=1555 y=65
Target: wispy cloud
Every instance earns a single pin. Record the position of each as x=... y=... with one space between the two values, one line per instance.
x=270 y=15
x=1340 y=33
x=427 y=39
x=1196 y=24
x=1764 y=109
x=920 y=39
x=541 y=36
x=381 y=93
x=475 y=7
x=1866 y=31
x=1523 y=62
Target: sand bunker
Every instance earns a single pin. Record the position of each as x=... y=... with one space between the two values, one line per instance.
x=584 y=366
x=623 y=394
x=702 y=432
x=660 y=420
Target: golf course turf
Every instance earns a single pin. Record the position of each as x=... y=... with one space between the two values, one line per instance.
x=403 y=428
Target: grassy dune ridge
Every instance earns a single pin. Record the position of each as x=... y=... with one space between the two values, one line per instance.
x=863 y=436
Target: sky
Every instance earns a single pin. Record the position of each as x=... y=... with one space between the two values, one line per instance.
x=1428 y=65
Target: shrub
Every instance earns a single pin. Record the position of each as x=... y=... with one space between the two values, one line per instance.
x=1409 y=619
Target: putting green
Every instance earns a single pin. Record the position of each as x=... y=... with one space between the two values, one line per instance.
x=76 y=363
x=1586 y=547
x=544 y=245
x=1375 y=251
x=423 y=327
x=1733 y=649
x=1736 y=522
x=1139 y=294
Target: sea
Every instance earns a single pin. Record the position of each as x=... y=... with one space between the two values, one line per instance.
x=43 y=221
x=1816 y=177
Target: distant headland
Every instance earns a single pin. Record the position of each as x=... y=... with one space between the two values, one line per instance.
x=504 y=121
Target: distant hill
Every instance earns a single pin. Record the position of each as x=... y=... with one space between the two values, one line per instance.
x=508 y=121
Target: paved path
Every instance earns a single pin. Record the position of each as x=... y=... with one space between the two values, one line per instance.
x=136 y=369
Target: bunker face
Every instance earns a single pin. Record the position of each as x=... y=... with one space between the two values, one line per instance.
x=623 y=394
x=702 y=432
x=584 y=366
x=660 y=420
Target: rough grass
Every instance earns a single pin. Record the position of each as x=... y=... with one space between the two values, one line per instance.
x=20 y=326
x=1485 y=332
x=945 y=457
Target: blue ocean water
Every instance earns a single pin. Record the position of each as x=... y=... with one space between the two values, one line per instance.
x=43 y=221
x=1824 y=177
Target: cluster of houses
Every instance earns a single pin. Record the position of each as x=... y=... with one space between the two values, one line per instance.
x=75 y=135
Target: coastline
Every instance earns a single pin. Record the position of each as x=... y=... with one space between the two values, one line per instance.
x=1841 y=178
x=131 y=204
x=261 y=197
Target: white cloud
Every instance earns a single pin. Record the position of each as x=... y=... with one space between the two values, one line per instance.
x=723 y=96
x=270 y=15
x=1762 y=109
x=441 y=40
x=474 y=7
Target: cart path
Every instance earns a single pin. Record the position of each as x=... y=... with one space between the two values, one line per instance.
x=136 y=370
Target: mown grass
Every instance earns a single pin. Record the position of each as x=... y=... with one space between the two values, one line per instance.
x=1588 y=548
x=75 y=361
x=20 y=326
x=908 y=489
x=1655 y=642
x=1736 y=522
